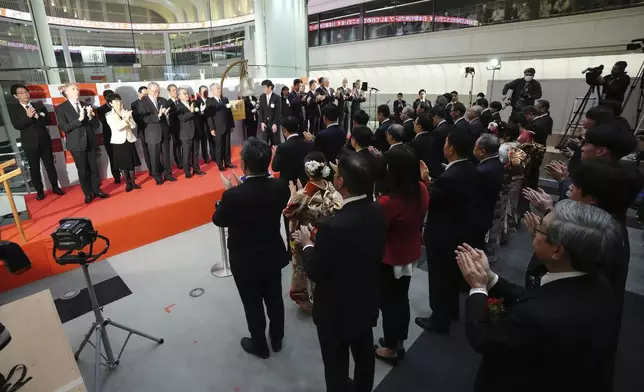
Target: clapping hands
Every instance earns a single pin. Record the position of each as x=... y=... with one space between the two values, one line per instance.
x=90 y=111
x=557 y=170
x=230 y=181
x=540 y=199
x=474 y=266
x=532 y=222
x=293 y=187
x=31 y=112
x=302 y=236
x=308 y=135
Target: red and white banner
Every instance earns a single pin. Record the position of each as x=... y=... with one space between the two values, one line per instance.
x=392 y=19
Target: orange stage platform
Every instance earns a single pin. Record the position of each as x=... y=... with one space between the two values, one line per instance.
x=129 y=220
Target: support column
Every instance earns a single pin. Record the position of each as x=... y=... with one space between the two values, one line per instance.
x=45 y=44
x=281 y=49
x=168 y=51
x=79 y=14
x=68 y=57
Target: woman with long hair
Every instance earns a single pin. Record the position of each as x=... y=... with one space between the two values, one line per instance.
x=317 y=199
x=405 y=205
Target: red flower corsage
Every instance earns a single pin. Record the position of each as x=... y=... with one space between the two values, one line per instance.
x=495 y=307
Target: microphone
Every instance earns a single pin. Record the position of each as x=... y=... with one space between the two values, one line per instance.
x=388 y=101
x=374 y=89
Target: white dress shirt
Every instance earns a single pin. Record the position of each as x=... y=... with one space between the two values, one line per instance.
x=29 y=105
x=545 y=279
x=453 y=162
x=488 y=158
x=292 y=135
x=395 y=144
x=408 y=120
x=420 y=133
x=439 y=124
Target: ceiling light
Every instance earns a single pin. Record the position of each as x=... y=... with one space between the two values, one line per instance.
x=494 y=62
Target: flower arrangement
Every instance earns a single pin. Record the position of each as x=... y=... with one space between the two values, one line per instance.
x=495 y=307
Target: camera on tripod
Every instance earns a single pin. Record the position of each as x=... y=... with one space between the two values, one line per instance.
x=469 y=71
x=74 y=234
x=593 y=74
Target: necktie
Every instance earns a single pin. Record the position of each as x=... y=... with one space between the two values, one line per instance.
x=78 y=108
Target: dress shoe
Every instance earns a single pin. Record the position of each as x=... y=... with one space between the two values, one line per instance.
x=188 y=175
x=117 y=180
x=135 y=185
x=129 y=187
x=170 y=178
x=393 y=361
x=231 y=166
x=40 y=195
x=199 y=172
x=58 y=191
x=158 y=180
x=249 y=347
x=221 y=168
x=400 y=351
x=101 y=194
x=427 y=324
x=88 y=199
x=276 y=345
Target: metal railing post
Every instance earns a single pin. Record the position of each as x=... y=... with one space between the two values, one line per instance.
x=221 y=269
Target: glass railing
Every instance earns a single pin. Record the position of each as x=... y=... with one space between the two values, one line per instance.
x=378 y=19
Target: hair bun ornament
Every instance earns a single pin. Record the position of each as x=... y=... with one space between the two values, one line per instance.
x=316 y=169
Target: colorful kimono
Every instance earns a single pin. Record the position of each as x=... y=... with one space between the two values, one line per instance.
x=306 y=207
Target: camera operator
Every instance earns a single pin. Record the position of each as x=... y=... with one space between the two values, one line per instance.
x=616 y=83
x=524 y=91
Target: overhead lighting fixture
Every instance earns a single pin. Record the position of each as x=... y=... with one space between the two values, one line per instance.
x=53 y=3
x=64 y=9
x=215 y=65
x=494 y=63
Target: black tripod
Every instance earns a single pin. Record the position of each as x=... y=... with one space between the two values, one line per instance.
x=578 y=114
x=99 y=326
x=640 y=98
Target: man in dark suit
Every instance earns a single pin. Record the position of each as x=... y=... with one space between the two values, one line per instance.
x=107 y=135
x=154 y=110
x=173 y=123
x=32 y=119
x=327 y=95
x=565 y=328
x=78 y=121
x=269 y=110
x=441 y=130
x=289 y=156
x=458 y=115
x=252 y=212
x=297 y=98
x=361 y=139
x=490 y=174
x=422 y=97
x=407 y=117
x=203 y=135
x=399 y=104
x=345 y=258
x=486 y=114
x=250 y=123
x=380 y=136
x=422 y=143
x=490 y=113
x=140 y=124
x=220 y=123
x=450 y=220
x=330 y=140
x=539 y=123
x=188 y=133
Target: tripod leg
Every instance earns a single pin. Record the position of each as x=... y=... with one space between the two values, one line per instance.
x=111 y=363
x=134 y=331
x=88 y=336
x=97 y=363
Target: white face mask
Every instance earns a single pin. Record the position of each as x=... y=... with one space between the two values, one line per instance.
x=528 y=78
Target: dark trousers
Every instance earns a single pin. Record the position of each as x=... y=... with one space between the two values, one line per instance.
x=256 y=291
x=394 y=304
x=251 y=128
x=343 y=120
x=201 y=135
x=156 y=150
x=34 y=155
x=87 y=170
x=335 y=355
x=190 y=154
x=176 y=147
x=110 y=155
x=146 y=150
x=314 y=125
x=272 y=138
x=444 y=289
x=222 y=148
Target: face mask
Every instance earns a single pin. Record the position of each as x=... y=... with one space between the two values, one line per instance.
x=528 y=78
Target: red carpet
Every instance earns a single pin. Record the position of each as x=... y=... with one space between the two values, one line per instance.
x=129 y=220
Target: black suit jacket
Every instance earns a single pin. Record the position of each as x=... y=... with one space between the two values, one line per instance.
x=252 y=212
x=187 y=121
x=422 y=145
x=486 y=118
x=380 y=136
x=79 y=135
x=297 y=101
x=558 y=336
x=451 y=212
x=346 y=259
x=312 y=106
x=462 y=124
x=476 y=128
x=251 y=118
x=289 y=159
x=140 y=124
x=437 y=158
x=156 y=129
x=542 y=128
x=417 y=103
x=33 y=132
x=328 y=98
x=173 y=116
x=398 y=106
x=410 y=133
x=489 y=183
x=373 y=162
x=269 y=115
x=330 y=141
x=218 y=116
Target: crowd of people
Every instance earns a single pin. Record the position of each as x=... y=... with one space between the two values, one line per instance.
x=359 y=205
